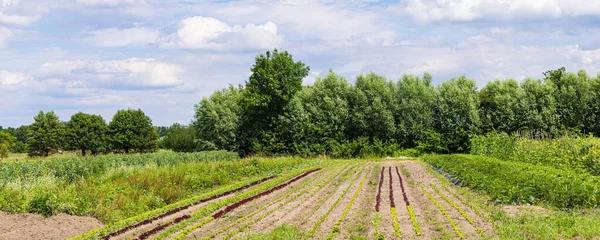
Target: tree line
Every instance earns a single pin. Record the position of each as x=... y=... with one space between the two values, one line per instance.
x=273 y=113
x=129 y=130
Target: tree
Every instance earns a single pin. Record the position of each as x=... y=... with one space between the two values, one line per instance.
x=572 y=94
x=45 y=134
x=503 y=106
x=457 y=117
x=372 y=105
x=217 y=118
x=540 y=107
x=275 y=79
x=132 y=130
x=180 y=138
x=86 y=132
x=6 y=142
x=415 y=109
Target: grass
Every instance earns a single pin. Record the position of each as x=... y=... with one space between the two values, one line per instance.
x=283 y=232
x=457 y=230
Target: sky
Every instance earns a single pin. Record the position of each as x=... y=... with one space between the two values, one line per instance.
x=164 y=56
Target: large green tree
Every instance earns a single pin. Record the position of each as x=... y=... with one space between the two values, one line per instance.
x=180 y=138
x=414 y=113
x=274 y=81
x=372 y=105
x=6 y=142
x=45 y=135
x=217 y=118
x=540 y=107
x=457 y=116
x=132 y=130
x=87 y=132
x=503 y=106
x=573 y=95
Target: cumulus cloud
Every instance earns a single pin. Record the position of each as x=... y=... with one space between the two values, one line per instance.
x=210 y=33
x=5 y=34
x=130 y=73
x=467 y=10
x=114 y=37
x=13 y=12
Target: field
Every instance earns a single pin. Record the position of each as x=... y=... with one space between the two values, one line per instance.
x=332 y=200
x=217 y=195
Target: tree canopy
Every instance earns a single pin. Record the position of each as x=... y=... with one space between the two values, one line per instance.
x=86 y=132
x=132 y=130
x=45 y=134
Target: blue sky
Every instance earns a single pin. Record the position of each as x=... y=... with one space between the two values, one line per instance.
x=164 y=56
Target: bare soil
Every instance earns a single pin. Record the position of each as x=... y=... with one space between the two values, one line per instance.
x=35 y=226
x=524 y=210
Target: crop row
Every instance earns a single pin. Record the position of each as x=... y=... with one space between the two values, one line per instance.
x=448 y=217
x=378 y=198
x=458 y=208
x=337 y=201
x=213 y=207
x=142 y=218
x=336 y=226
x=242 y=202
x=470 y=205
x=409 y=208
x=181 y=208
x=516 y=182
x=320 y=184
x=395 y=223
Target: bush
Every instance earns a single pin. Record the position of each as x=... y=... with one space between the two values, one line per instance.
x=580 y=154
x=517 y=182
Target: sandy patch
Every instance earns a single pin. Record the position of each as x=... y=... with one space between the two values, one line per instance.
x=35 y=226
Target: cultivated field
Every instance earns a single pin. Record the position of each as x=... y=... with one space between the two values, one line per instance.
x=333 y=200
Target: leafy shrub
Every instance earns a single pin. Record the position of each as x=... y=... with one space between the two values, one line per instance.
x=580 y=154
x=517 y=182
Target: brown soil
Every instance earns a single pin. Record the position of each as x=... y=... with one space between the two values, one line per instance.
x=525 y=210
x=34 y=226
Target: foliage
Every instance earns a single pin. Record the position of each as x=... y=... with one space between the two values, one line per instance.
x=132 y=130
x=45 y=134
x=87 y=132
x=217 y=120
x=570 y=152
x=283 y=232
x=517 y=182
x=180 y=138
x=275 y=79
x=414 y=112
x=6 y=142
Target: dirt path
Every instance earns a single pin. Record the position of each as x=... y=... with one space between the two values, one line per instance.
x=34 y=226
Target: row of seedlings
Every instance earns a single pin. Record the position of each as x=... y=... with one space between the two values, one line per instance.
x=336 y=226
x=378 y=234
x=235 y=205
x=397 y=231
x=459 y=233
x=211 y=208
x=337 y=201
x=318 y=187
x=458 y=208
x=123 y=226
x=409 y=208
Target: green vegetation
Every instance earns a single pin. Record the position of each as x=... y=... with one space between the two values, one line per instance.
x=86 y=132
x=132 y=130
x=115 y=187
x=283 y=232
x=516 y=182
x=180 y=138
x=45 y=134
x=6 y=142
x=577 y=153
x=452 y=223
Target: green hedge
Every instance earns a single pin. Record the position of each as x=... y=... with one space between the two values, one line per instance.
x=517 y=182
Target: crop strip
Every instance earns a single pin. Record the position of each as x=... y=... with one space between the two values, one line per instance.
x=393 y=211
x=409 y=208
x=378 y=198
x=213 y=207
x=452 y=223
x=470 y=205
x=242 y=202
x=337 y=201
x=320 y=184
x=458 y=208
x=175 y=210
x=336 y=226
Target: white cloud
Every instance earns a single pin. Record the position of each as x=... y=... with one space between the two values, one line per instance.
x=467 y=10
x=118 y=74
x=108 y=2
x=10 y=79
x=113 y=37
x=5 y=34
x=12 y=12
x=210 y=33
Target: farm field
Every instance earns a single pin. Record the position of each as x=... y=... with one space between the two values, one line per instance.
x=333 y=200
